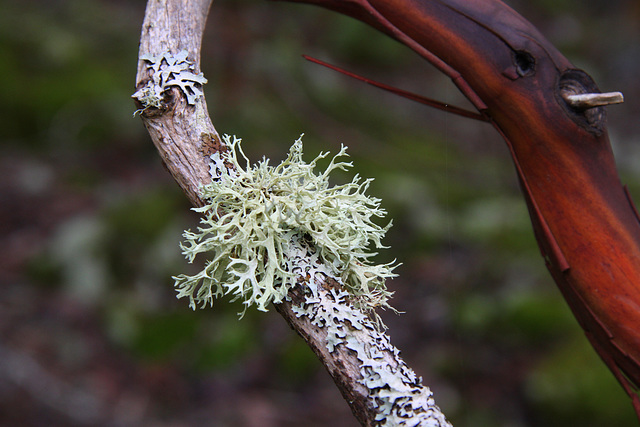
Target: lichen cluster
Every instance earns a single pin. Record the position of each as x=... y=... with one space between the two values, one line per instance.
x=260 y=221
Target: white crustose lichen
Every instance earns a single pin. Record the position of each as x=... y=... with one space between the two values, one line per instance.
x=262 y=222
x=393 y=388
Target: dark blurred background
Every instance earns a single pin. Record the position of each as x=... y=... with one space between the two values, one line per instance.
x=91 y=333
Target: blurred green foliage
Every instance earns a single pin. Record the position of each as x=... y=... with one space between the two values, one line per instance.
x=65 y=72
x=573 y=386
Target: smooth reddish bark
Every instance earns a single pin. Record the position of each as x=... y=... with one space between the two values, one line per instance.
x=586 y=226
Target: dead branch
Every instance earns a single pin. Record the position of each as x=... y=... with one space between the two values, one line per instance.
x=371 y=376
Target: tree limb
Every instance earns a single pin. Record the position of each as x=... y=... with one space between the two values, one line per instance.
x=377 y=384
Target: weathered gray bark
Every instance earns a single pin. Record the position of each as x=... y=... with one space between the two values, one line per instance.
x=185 y=137
x=180 y=132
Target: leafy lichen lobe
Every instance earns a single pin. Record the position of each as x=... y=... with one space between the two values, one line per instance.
x=169 y=70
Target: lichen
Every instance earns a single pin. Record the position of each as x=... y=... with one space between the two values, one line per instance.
x=393 y=388
x=267 y=227
x=169 y=70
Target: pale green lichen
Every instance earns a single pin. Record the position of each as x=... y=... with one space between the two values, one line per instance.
x=265 y=228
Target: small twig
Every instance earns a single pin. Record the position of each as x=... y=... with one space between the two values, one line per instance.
x=584 y=101
x=412 y=96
